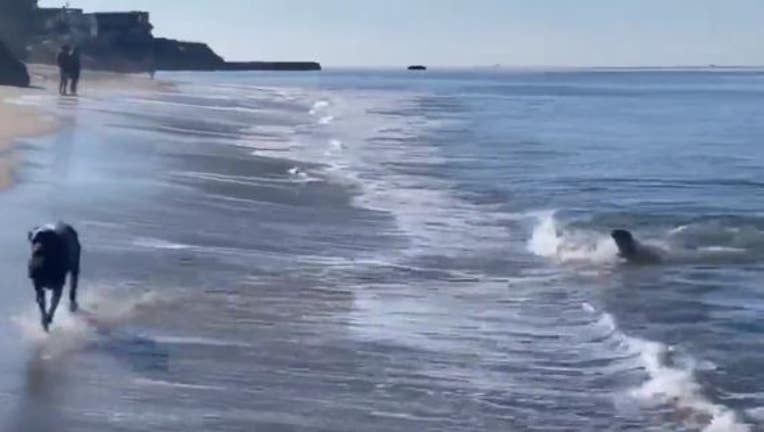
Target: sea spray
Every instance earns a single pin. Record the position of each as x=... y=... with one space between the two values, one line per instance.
x=569 y=245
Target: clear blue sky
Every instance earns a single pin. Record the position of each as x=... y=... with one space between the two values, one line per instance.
x=464 y=32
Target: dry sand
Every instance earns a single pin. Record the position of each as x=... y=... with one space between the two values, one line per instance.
x=17 y=121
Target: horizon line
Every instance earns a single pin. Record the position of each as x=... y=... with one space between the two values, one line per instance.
x=526 y=67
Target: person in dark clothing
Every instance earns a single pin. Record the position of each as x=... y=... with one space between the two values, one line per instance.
x=64 y=60
x=76 y=67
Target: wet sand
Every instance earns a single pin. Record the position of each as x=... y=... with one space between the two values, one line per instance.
x=211 y=272
x=17 y=122
x=40 y=135
x=23 y=121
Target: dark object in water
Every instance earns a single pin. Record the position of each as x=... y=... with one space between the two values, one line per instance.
x=12 y=71
x=633 y=251
x=55 y=253
x=417 y=68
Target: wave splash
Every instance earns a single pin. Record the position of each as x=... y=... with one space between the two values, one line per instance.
x=671 y=380
x=549 y=240
x=101 y=310
x=704 y=242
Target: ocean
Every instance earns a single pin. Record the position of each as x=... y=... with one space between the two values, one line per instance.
x=371 y=250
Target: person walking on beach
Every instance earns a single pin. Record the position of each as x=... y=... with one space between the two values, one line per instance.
x=76 y=67
x=64 y=60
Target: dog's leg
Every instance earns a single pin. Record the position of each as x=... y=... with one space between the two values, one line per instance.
x=75 y=250
x=55 y=299
x=40 y=292
x=73 y=282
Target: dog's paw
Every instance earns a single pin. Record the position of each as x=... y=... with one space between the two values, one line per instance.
x=73 y=306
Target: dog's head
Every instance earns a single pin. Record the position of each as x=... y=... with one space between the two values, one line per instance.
x=43 y=241
x=47 y=253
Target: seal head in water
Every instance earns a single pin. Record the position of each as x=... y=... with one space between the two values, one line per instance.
x=633 y=251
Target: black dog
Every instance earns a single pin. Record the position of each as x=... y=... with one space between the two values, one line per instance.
x=55 y=252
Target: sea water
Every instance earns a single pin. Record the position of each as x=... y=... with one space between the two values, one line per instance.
x=368 y=250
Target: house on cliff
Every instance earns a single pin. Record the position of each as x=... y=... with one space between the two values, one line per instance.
x=64 y=22
x=124 y=27
x=119 y=41
x=83 y=27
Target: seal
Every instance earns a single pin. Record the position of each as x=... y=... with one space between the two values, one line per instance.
x=633 y=251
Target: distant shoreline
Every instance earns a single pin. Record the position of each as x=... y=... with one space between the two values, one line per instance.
x=515 y=68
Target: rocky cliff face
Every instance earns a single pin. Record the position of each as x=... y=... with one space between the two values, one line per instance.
x=12 y=71
x=170 y=54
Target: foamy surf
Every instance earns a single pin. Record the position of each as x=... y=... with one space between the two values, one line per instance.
x=298 y=175
x=671 y=380
x=326 y=120
x=154 y=243
x=201 y=341
x=177 y=385
x=319 y=106
x=549 y=240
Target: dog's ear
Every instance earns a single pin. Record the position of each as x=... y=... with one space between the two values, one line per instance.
x=29 y=235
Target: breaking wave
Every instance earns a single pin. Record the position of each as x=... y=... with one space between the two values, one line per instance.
x=550 y=240
x=671 y=380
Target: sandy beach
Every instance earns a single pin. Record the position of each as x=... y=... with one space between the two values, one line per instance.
x=20 y=121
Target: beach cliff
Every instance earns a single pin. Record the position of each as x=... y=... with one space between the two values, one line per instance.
x=124 y=42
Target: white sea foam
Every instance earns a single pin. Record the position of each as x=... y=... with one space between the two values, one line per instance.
x=549 y=240
x=177 y=385
x=425 y=208
x=319 y=106
x=300 y=176
x=671 y=380
x=326 y=120
x=183 y=340
x=154 y=243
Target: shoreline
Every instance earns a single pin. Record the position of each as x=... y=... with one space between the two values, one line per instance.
x=25 y=121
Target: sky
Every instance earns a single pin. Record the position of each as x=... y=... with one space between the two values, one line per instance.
x=463 y=32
